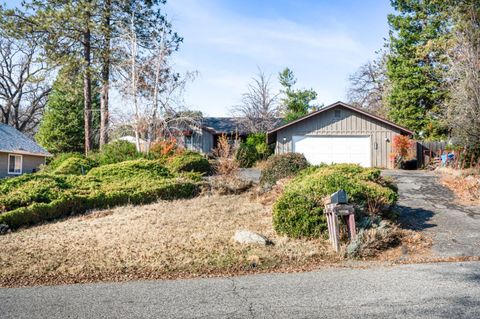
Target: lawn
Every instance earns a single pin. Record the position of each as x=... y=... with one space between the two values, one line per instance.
x=168 y=239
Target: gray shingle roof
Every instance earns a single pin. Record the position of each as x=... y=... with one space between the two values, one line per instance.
x=14 y=141
x=226 y=125
x=223 y=125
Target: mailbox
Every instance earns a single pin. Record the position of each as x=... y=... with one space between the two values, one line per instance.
x=339 y=197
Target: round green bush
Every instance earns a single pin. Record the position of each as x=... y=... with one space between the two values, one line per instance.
x=282 y=166
x=189 y=162
x=299 y=211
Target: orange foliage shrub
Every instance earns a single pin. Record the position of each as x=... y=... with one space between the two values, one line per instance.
x=166 y=148
x=402 y=145
x=402 y=149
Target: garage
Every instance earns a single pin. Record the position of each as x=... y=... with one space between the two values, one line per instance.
x=339 y=133
x=334 y=149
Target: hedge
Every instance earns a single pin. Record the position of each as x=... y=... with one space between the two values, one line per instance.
x=298 y=212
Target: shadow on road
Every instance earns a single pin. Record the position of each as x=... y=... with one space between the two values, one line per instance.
x=414 y=218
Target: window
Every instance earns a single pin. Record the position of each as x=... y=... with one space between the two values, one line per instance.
x=15 y=164
x=338 y=114
x=189 y=142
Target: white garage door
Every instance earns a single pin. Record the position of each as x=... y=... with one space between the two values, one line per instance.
x=334 y=149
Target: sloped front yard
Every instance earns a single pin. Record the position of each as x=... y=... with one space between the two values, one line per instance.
x=163 y=240
x=193 y=237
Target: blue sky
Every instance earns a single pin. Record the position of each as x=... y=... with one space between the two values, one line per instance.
x=322 y=41
x=226 y=40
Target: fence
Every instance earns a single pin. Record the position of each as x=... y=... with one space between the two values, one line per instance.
x=428 y=154
x=428 y=151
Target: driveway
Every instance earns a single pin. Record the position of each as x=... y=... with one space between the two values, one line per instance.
x=445 y=290
x=426 y=205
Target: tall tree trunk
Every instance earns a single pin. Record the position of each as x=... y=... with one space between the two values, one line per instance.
x=87 y=87
x=158 y=67
x=104 y=114
x=133 y=65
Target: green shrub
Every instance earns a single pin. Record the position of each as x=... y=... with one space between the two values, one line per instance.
x=246 y=155
x=70 y=203
x=30 y=188
x=75 y=165
x=259 y=141
x=130 y=169
x=299 y=211
x=116 y=152
x=255 y=148
x=53 y=163
x=34 y=198
x=282 y=166
x=189 y=162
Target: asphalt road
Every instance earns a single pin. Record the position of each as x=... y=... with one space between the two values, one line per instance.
x=446 y=290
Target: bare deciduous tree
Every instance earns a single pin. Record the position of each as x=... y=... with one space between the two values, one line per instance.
x=23 y=84
x=155 y=90
x=463 y=108
x=259 y=110
x=368 y=86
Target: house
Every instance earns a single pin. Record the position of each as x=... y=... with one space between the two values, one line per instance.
x=18 y=153
x=204 y=139
x=339 y=133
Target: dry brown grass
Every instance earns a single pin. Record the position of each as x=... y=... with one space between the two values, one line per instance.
x=465 y=185
x=170 y=239
x=163 y=240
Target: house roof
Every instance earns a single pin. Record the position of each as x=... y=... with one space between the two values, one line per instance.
x=345 y=105
x=14 y=141
x=223 y=125
x=227 y=125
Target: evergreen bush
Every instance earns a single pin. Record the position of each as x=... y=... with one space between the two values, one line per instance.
x=298 y=212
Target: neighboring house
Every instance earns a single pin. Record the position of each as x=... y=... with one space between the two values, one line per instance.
x=205 y=138
x=18 y=153
x=339 y=133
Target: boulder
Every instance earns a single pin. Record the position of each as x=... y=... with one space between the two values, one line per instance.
x=248 y=237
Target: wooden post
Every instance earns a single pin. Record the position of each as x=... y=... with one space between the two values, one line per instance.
x=336 y=233
x=332 y=211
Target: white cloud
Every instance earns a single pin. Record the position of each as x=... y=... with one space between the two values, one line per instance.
x=227 y=47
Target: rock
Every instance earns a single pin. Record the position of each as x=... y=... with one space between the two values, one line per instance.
x=4 y=229
x=248 y=237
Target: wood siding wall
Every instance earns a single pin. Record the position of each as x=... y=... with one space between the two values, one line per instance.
x=349 y=123
x=30 y=163
x=202 y=141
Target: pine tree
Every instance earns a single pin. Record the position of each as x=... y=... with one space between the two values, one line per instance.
x=61 y=129
x=296 y=103
x=416 y=65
